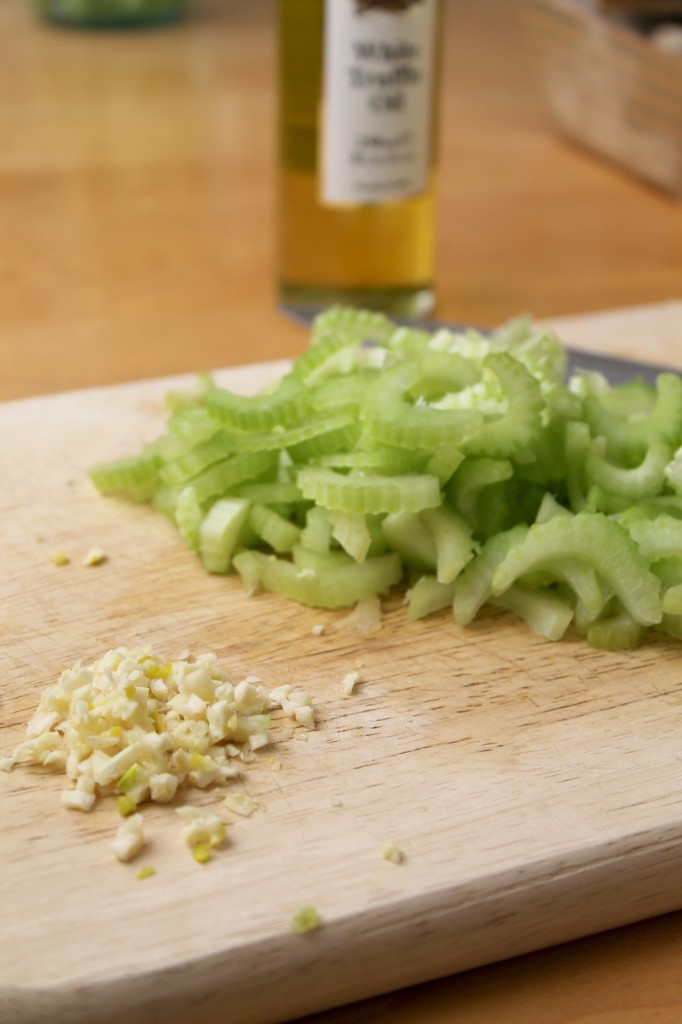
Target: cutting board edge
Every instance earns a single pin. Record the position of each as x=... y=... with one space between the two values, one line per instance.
x=414 y=940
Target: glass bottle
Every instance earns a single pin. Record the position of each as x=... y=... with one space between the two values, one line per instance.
x=358 y=86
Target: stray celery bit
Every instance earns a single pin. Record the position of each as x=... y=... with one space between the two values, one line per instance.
x=392 y=853
x=463 y=464
x=95 y=556
x=59 y=558
x=146 y=872
x=202 y=853
x=126 y=805
x=305 y=920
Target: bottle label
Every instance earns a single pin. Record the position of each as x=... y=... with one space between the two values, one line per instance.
x=377 y=107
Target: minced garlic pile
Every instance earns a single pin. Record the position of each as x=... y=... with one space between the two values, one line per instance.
x=139 y=727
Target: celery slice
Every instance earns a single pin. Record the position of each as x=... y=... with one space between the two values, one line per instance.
x=218 y=479
x=274 y=493
x=629 y=435
x=599 y=542
x=577 y=444
x=642 y=481
x=360 y=324
x=544 y=612
x=474 y=586
x=428 y=596
x=352 y=533
x=195 y=394
x=286 y=406
x=385 y=461
x=277 y=532
x=189 y=516
x=443 y=463
x=408 y=535
x=519 y=426
x=618 y=632
x=339 y=493
x=455 y=546
x=657 y=538
x=672 y=600
x=220 y=532
x=342 y=586
x=473 y=477
x=317 y=532
x=133 y=474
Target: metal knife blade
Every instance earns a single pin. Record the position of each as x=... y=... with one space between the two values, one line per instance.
x=617 y=370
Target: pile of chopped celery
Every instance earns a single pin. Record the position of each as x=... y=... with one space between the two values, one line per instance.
x=461 y=463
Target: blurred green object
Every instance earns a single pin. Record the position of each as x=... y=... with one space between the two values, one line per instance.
x=105 y=13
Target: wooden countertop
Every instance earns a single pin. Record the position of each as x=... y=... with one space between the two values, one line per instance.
x=136 y=228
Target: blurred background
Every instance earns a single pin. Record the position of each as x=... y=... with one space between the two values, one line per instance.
x=138 y=186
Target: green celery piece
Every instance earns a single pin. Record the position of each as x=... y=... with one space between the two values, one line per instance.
x=317 y=532
x=342 y=392
x=359 y=324
x=352 y=532
x=577 y=444
x=325 y=357
x=390 y=418
x=190 y=463
x=657 y=538
x=672 y=600
x=165 y=499
x=643 y=481
x=386 y=461
x=617 y=632
x=662 y=504
x=339 y=493
x=340 y=434
x=320 y=561
x=673 y=472
x=285 y=406
x=471 y=479
x=544 y=612
x=473 y=587
x=195 y=394
x=628 y=436
x=136 y=474
x=276 y=531
x=220 y=532
x=193 y=423
x=339 y=587
x=220 y=478
x=407 y=534
x=428 y=596
x=455 y=546
x=580 y=578
x=443 y=463
x=275 y=493
x=409 y=341
x=549 y=508
x=189 y=515
x=519 y=426
x=514 y=332
x=598 y=542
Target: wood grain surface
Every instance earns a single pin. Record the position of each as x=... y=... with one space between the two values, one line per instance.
x=535 y=788
x=137 y=206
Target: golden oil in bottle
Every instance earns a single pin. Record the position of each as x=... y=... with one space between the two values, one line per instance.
x=357 y=152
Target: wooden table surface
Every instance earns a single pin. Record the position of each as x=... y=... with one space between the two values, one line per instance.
x=136 y=239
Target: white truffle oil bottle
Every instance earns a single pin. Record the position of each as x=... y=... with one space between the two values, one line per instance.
x=358 y=85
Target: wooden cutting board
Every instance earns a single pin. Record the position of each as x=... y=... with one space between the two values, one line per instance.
x=535 y=788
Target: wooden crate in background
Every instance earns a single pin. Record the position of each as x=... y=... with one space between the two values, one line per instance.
x=610 y=88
